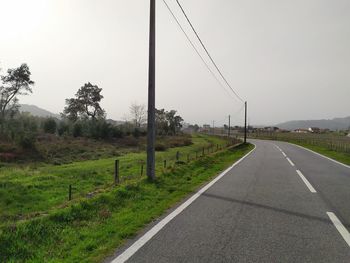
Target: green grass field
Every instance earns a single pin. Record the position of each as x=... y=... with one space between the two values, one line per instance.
x=342 y=157
x=27 y=192
x=88 y=230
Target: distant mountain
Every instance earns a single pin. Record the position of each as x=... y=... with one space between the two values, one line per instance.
x=116 y=123
x=36 y=111
x=332 y=124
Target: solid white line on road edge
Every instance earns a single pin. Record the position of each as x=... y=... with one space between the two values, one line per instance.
x=290 y=161
x=311 y=188
x=340 y=227
x=347 y=166
x=154 y=230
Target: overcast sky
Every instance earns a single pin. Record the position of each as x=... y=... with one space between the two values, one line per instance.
x=289 y=59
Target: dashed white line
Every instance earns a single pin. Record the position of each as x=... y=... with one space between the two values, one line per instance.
x=284 y=154
x=278 y=147
x=340 y=227
x=290 y=161
x=311 y=188
x=321 y=155
x=154 y=230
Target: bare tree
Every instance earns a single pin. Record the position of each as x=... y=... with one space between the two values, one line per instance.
x=138 y=114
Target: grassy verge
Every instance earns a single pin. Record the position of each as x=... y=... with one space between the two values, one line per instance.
x=92 y=229
x=338 y=156
x=30 y=191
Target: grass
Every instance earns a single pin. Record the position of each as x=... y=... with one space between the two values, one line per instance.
x=30 y=191
x=338 y=156
x=331 y=145
x=91 y=229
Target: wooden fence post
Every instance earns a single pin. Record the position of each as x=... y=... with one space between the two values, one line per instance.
x=116 y=172
x=70 y=192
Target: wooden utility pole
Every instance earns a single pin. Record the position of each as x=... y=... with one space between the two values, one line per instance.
x=229 y=125
x=245 y=122
x=151 y=133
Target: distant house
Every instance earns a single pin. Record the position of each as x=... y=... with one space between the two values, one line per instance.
x=301 y=131
x=271 y=129
x=314 y=130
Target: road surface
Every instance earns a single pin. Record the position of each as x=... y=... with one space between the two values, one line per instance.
x=281 y=203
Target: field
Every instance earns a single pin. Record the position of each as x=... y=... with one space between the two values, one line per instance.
x=332 y=145
x=39 y=223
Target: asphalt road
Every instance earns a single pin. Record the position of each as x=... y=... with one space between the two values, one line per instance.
x=280 y=204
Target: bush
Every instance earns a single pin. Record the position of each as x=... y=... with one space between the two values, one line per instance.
x=77 y=130
x=136 y=133
x=160 y=147
x=27 y=141
x=63 y=128
x=50 y=126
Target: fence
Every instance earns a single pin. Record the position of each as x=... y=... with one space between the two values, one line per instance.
x=331 y=142
x=125 y=170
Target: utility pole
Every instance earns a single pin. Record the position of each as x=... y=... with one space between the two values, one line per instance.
x=151 y=134
x=245 y=122
x=213 y=127
x=229 y=125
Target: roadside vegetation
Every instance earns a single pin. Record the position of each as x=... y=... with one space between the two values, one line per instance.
x=332 y=145
x=89 y=228
x=59 y=197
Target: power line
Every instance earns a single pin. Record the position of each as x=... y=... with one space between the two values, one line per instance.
x=200 y=40
x=194 y=47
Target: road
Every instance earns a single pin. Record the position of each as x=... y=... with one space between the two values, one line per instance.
x=281 y=203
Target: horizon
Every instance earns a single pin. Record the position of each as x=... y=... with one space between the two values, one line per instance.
x=201 y=124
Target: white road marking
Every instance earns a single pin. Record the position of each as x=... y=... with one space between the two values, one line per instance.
x=278 y=147
x=311 y=188
x=284 y=154
x=347 y=166
x=340 y=227
x=290 y=161
x=154 y=230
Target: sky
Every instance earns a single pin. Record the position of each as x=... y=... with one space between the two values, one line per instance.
x=288 y=59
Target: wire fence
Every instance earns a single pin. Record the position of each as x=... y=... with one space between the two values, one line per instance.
x=335 y=143
x=128 y=170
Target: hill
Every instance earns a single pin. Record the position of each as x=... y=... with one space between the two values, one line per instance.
x=332 y=124
x=36 y=111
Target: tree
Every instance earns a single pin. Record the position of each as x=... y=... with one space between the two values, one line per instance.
x=138 y=114
x=16 y=82
x=86 y=103
x=50 y=126
x=162 y=126
x=174 y=122
x=167 y=122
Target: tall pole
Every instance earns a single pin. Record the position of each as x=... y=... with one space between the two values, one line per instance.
x=245 y=122
x=151 y=134
x=213 y=127
x=229 y=125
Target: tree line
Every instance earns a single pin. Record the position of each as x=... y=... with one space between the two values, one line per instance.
x=82 y=115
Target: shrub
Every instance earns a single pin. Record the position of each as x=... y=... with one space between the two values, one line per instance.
x=27 y=141
x=160 y=147
x=50 y=126
x=77 y=129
